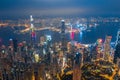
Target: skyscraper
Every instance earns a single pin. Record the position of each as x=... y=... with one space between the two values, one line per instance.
x=117 y=48
x=63 y=35
x=32 y=32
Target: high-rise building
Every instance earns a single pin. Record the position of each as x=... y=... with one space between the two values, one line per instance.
x=63 y=35
x=77 y=66
x=107 y=47
x=15 y=45
x=63 y=43
x=117 y=48
x=72 y=34
x=32 y=32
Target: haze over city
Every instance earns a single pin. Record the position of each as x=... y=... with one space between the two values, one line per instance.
x=59 y=7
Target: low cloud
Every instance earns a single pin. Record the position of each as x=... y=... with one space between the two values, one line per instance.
x=58 y=11
x=47 y=11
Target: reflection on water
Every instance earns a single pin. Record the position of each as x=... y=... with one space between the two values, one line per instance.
x=84 y=37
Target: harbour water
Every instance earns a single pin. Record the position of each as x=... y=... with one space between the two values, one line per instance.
x=100 y=31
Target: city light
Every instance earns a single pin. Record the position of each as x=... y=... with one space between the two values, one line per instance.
x=100 y=40
x=36 y=57
x=81 y=36
x=72 y=35
x=49 y=48
x=48 y=37
x=10 y=39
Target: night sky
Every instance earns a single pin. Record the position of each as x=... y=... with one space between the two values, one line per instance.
x=59 y=7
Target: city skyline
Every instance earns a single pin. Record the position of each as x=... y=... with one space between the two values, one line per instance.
x=59 y=40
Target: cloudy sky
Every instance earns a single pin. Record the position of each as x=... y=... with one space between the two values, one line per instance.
x=59 y=7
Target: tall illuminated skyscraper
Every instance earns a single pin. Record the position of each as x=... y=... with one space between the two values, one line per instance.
x=32 y=30
x=107 y=47
x=63 y=35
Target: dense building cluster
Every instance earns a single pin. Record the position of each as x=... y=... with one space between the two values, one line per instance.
x=63 y=60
